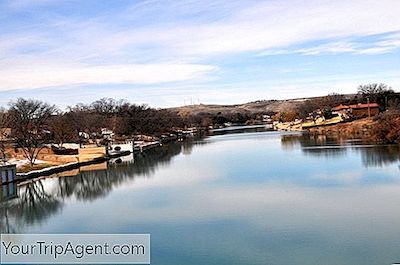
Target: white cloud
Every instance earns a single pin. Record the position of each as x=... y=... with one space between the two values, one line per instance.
x=56 y=75
x=276 y=24
x=145 y=45
x=235 y=93
x=384 y=45
x=254 y=27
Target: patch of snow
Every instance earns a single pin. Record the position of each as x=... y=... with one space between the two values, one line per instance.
x=23 y=162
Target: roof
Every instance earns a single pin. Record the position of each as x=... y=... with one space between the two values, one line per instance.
x=364 y=106
x=357 y=106
x=340 y=107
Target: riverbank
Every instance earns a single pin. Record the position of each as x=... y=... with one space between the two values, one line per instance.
x=65 y=167
x=170 y=188
x=355 y=129
x=47 y=169
x=361 y=128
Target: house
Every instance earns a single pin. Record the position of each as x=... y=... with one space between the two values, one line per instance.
x=341 y=109
x=107 y=133
x=364 y=110
x=84 y=135
x=357 y=110
x=266 y=118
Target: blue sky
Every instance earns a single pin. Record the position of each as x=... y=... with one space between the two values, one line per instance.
x=170 y=53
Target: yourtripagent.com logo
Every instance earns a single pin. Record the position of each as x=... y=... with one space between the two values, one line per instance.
x=75 y=248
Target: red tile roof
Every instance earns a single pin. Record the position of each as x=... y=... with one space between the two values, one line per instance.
x=340 y=107
x=364 y=106
x=357 y=106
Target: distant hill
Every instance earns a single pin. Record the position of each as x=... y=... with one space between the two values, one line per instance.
x=260 y=106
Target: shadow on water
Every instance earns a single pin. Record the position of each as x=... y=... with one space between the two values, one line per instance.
x=32 y=206
x=379 y=156
x=32 y=203
x=320 y=145
x=241 y=129
x=92 y=185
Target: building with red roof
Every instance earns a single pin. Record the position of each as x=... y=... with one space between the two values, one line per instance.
x=358 y=110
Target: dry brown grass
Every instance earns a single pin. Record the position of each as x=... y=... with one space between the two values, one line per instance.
x=354 y=129
x=387 y=127
x=26 y=168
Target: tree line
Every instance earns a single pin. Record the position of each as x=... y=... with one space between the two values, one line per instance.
x=378 y=93
x=33 y=123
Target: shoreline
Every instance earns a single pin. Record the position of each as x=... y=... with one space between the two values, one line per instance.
x=55 y=169
x=361 y=128
x=19 y=177
x=354 y=129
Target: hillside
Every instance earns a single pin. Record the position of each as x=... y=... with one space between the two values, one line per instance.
x=265 y=106
x=261 y=106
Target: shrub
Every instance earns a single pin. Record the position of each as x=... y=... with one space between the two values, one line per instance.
x=387 y=127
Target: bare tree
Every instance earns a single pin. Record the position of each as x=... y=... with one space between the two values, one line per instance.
x=63 y=130
x=375 y=92
x=3 y=131
x=108 y=106
x=28 y=121
x=87 y=123
x=373 y=88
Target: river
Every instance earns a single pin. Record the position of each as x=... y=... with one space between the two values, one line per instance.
x=248 y=198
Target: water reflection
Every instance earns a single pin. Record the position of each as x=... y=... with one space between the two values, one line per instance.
x=242 y=129
x=241 y=199
x=316 y=145
x=380 y=156
x=322 y=145
x=32 y=203
x=8 y=191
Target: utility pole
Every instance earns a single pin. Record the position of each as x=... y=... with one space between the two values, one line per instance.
x=369 y=110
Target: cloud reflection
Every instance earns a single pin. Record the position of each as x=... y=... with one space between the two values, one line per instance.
x=207 y=205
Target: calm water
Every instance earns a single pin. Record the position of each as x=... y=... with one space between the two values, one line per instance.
x=252 y=198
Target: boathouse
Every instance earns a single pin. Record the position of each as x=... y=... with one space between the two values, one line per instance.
x=7 y=173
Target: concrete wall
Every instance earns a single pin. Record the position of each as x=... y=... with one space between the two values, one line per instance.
x=60 y=159
x=92 y=150
x=94 y=167
x=90 y=153
x=124 y=147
